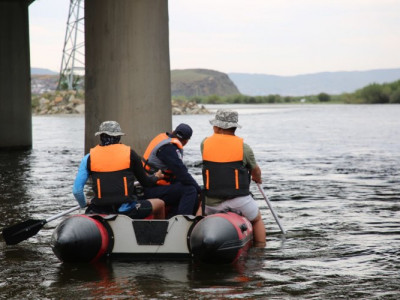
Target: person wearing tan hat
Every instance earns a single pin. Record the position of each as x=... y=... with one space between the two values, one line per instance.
x=113 y=168
x=228 y=164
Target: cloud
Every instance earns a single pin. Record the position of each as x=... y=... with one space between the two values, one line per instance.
x=281 y=37
x=285 y=37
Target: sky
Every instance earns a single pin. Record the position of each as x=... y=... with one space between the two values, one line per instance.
x=277 y=37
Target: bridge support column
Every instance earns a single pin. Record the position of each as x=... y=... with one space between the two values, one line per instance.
x=15 y=76
x=127 y=69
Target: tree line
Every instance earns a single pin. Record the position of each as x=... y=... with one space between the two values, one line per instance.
x=370 y=94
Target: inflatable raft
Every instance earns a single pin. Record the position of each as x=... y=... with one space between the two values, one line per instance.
x=218 y=238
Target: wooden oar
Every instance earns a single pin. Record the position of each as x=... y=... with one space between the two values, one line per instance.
x=24 y=230
x=271 y=209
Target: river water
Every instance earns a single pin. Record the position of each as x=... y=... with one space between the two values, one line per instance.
x=331 y=172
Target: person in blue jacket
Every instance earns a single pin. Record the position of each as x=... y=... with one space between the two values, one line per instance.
x=177 y=189
x=114 y=169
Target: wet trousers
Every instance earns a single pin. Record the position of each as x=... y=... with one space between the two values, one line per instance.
x=181 y=199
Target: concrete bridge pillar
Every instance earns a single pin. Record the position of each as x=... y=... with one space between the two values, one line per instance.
x=15 y=76
x=127 y=69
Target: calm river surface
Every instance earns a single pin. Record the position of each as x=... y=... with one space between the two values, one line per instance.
x=332 y=173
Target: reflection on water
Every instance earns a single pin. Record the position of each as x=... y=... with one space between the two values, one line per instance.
x=330 y=171
x=12 y=200
x=111 y=280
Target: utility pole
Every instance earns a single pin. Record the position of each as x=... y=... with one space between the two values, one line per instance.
x=73 y=60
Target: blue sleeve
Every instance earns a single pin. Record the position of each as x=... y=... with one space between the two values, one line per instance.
x=170 y=155
x=80 y=181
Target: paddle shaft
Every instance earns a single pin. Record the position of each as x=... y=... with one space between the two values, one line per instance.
x=63 y=213
x=271 y=209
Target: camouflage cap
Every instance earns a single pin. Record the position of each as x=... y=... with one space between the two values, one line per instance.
x=225 y=118
x=111 y=128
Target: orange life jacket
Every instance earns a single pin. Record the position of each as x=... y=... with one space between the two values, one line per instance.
x=152 y=163
x=112 y=179
x=224 y=174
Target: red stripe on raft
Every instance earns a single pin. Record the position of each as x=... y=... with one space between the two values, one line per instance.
x=237 y=220
x=104 y=238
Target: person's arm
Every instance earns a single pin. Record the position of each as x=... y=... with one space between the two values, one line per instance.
x=80 y=181
x=140 y=173
x=250 y=162
x=169 y=155
x=256 y=174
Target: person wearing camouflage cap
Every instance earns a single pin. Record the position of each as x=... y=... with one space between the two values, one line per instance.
x=228 y=165
x=113 y=168
x=226 y=118
x=110 y=128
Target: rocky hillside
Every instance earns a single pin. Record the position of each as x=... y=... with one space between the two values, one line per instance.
x=201 y=82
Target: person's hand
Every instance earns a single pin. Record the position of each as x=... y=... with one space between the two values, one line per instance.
x=257 y=180
x=159 y=174
x=256 y=174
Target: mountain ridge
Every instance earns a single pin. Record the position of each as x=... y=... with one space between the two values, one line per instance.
x=311 y=84
x=204 y=82
x=42 y=71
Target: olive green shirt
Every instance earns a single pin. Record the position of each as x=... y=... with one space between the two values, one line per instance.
x=249 y=161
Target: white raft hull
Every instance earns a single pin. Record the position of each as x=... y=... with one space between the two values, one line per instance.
x=219 y=238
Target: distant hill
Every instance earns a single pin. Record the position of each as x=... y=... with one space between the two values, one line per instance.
x=40 y=71
x=311 y=84
x=188 y=82
x=201 y=82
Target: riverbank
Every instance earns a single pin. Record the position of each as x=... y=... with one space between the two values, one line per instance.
x=73 y=102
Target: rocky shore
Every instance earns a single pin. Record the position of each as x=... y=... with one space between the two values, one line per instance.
x=73 y=102
x=183 y=107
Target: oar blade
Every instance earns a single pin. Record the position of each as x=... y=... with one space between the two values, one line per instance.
x=22 y=231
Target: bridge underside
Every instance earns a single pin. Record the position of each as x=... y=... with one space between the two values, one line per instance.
x=127 y=71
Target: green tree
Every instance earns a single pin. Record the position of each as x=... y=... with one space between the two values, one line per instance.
x=324 y=97
x=395 y=96
x=214 y=99
x=374 y=93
